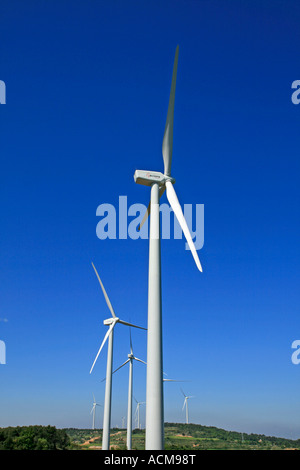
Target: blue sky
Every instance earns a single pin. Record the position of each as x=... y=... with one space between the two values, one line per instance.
x=87 y=93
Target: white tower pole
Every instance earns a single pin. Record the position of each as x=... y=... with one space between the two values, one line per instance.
x=107 y=400
x=154 y=389
x=129 y=410
x=94 y=409
x=187 y=411
x=138 y=416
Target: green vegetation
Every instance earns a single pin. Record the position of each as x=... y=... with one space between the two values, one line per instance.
x=34 y=438
x=180 y=436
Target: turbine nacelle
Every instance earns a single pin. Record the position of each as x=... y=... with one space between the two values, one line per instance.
x=147 y=178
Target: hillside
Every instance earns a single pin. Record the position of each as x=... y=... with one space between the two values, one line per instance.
x=184 y=436
x=178 y=436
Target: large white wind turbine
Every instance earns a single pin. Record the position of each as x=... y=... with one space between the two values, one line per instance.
x=93 y=410
x=108 y=386
x=185 y=404
x=159 y=183
x=131 y=358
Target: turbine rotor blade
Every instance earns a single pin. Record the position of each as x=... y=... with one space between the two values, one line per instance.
x=147 y=213
x=174 y=203
x=131 y=350
x=130 y=324
x=121 y=366
x=103 y=342
x=103 y=380
x=104 y=292
x=167 y=145
x=140 y=360
x=172 y=380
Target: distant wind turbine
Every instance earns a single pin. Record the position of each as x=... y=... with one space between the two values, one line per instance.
x=93 y=410
x=185 y=404
x=159 y=183
x=137 y=411
x=131 y=358
x=108 y=386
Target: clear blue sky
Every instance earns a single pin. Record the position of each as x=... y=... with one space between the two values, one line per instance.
x=87 y=94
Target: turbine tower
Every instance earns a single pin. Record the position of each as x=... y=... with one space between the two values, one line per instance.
x=159 y=183
x=130 y=360
x=185 y=404
x=93 y=410
x=108 y=385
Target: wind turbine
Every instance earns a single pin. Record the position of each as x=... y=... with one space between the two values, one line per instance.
x=130 y=360
x=93 y=410
x=137 y=411
x=185 y=404
x=159 y=183
x=108 y=385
